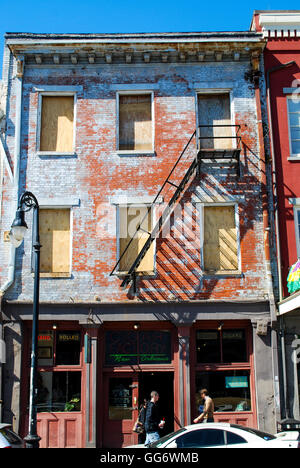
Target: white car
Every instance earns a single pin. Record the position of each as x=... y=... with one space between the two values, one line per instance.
x=220 y=435
x=8 y=438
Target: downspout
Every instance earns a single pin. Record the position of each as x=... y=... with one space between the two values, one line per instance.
x=277 y=234
x=266 y=231
x=17 y=155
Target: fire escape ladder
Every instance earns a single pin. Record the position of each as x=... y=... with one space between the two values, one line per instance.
x=131 y=273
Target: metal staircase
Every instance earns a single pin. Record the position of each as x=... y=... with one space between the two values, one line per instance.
x=230 y=154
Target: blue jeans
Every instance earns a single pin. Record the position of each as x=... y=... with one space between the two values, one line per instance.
x=151 y=437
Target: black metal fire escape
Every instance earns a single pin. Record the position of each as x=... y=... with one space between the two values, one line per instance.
x=202 y=154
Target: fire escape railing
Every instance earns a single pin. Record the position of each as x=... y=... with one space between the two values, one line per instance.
x=201 y=154
x=130 y=275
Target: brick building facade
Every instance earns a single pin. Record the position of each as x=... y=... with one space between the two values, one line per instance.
x=95 y=126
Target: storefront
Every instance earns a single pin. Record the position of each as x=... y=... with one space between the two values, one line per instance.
x=90 y=393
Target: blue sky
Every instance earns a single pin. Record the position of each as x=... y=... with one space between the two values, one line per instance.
x=130 y=15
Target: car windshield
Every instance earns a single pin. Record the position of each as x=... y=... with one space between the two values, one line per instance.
x=158 y=443
x=262 y=435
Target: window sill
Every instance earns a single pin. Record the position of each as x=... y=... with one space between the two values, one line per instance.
x=56 y=153
x=136 y=153
x=223 y=273
x=55 y=275
x=294 y=158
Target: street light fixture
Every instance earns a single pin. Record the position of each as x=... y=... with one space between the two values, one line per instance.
x=18 y=229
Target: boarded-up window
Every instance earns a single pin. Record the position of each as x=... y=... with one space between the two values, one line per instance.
x=130 y=217
x=55 y=240
x=214 y=115
x=135 y=122
x=57 y=117
x=220 y=239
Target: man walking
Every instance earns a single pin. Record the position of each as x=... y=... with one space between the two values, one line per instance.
x=208 y=411
x=153 y=421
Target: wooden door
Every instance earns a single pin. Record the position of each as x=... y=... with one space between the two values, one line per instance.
x=120 y=410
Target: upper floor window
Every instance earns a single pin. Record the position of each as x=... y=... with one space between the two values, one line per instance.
x=135 y=122
x=220 y=239
x=56 y=126
x=294 y=124
x=214 y=120
x=297 y=227
x=55 y=239
x=129 y=218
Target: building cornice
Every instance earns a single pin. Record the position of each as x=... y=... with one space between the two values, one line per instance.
x=73 y=49
x=280 y=24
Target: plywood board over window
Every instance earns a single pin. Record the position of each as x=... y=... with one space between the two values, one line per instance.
x=214 y=111
x=55 y=241
x=135 y=122
x=220 y=239
x=57 y=124
x=129 y=219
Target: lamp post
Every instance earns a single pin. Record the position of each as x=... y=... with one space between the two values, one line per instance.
x=18 y=229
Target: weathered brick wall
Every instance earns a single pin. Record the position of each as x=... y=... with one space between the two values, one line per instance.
x=97 y=174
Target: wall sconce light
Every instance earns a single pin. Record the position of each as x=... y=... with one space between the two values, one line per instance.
x=136 y=326
x=221 y=324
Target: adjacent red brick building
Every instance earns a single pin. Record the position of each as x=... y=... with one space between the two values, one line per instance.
x=281 y=30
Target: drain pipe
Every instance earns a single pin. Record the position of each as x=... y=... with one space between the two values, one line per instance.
x=266 y=232
x=12 y=253
x=277 y=235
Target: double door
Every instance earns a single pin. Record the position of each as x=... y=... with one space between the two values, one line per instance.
x=123 y=395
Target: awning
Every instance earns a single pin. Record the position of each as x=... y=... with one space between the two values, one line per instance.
x=289 y=304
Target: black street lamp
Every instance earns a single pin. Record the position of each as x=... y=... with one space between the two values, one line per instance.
x=18 y=229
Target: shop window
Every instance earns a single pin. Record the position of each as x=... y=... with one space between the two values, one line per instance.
x=230 y=389
x=59 y=348
x=220 y=243
x=120 y=399
x=130 y=218
x=55 y=239
x=57 y=124
x=294 y=124
x=135 y=122
x=221 y=346
x=59 y=392
x=59 y=365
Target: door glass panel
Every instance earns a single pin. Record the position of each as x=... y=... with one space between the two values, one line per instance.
x=58 y=391
x=120 y=399
x=234 y=439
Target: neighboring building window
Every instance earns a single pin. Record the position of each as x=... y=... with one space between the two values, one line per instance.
x=57 y=124
x=214 y=119
x=297 y=226
x=56 y=241
x=135 y=122
x=130 y=217
x=220 y=243
x=59 y=376
x=294 y=124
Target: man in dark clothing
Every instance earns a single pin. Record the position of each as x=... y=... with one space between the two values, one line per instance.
x=152 y=420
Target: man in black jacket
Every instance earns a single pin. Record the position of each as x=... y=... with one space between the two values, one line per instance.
x=153 y=421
